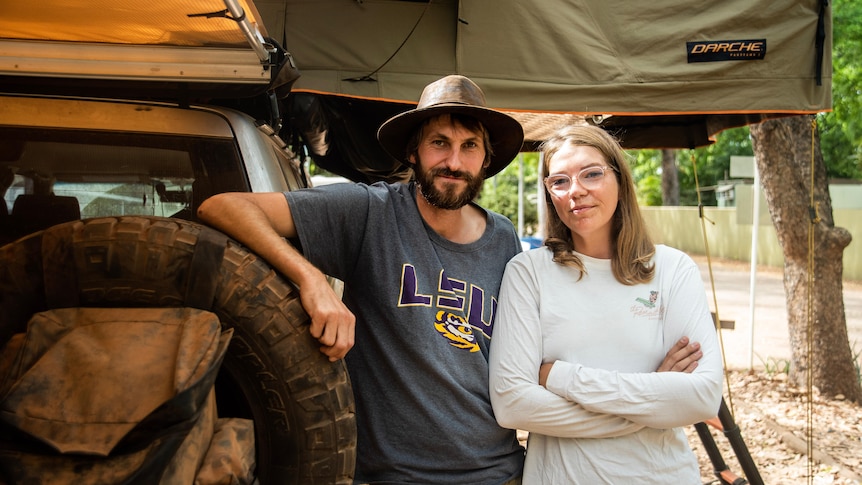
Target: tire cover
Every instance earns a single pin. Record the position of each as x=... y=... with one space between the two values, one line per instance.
x=301 y=403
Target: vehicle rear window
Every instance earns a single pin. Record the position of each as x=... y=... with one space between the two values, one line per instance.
x=108 y=174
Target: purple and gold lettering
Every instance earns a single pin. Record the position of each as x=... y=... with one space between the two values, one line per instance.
x=450 y=293
x=410 y=295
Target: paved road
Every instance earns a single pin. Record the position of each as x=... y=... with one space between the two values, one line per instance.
x=770 y=336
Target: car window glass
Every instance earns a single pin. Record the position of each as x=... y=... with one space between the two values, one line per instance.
x=112 y=174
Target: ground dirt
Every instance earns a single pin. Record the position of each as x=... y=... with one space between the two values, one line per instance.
x=773 y=418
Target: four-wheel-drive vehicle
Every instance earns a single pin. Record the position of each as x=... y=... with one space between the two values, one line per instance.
x=106 y=150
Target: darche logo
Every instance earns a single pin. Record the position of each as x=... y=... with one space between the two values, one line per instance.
x=726 y=50
x=738 y=47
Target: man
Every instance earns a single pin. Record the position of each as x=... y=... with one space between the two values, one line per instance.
x=421 y=265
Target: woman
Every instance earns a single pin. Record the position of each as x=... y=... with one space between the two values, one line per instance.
x=584 y=324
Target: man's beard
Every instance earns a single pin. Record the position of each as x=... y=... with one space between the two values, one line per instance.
x=449 y=198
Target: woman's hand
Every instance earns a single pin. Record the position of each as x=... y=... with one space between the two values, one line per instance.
x=682 y=357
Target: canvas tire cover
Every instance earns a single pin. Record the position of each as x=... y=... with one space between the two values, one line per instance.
x=301 y=404
x=82 y=378
x=88 y=383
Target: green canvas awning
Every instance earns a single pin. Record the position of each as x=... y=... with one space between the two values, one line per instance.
x=667 y=73
x=658 y=74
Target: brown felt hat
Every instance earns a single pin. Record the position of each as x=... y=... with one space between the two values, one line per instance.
x=455 y=94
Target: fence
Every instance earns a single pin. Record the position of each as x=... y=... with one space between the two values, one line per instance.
x=729 y=234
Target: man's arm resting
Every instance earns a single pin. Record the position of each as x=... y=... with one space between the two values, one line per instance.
x=261 y=222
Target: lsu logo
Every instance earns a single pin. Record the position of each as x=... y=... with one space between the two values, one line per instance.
x=456 y=329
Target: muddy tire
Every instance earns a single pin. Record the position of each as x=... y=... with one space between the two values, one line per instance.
x=301 y=404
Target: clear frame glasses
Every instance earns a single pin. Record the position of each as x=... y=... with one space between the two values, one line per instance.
x=589 y=178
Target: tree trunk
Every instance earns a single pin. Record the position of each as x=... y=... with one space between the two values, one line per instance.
x=669 y=178
x=783 y=152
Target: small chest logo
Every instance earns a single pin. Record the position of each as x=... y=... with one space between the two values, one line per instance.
x=649 y=308
x=653 y=297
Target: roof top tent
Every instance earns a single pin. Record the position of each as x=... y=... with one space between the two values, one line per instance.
x=661 y=74
x=174 y=50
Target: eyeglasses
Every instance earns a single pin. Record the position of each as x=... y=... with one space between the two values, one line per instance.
x=589 y=178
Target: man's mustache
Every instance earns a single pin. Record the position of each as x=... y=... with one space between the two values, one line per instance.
x=445 y=172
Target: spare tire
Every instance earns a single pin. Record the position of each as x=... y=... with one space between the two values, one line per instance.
x=273 y=373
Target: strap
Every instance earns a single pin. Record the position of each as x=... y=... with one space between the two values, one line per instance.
x=59 y=272
x=204 y=270
x=820 y=40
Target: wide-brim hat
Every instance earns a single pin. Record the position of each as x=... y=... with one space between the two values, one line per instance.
x=455 y=94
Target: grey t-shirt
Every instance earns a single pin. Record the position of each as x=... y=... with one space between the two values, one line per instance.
x=424 y=308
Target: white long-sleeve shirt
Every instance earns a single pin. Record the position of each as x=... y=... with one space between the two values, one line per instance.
x=606 y=416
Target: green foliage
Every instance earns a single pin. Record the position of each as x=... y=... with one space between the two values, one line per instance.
x=711 y=162
x=773 y=366
x=500 y=193
x=841 y=129
x=646 y=171
x=649 y=190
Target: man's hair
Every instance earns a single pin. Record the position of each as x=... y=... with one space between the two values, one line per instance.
x=466 y=121
x=632 y=248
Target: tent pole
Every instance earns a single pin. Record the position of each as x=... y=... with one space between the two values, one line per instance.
x=755 y=230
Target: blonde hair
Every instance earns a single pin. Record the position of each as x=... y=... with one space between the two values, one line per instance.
x=631 y=246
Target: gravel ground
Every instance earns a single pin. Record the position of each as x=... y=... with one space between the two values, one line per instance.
x=772 y=418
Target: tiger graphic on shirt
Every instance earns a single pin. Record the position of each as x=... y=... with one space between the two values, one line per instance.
x=460 y=316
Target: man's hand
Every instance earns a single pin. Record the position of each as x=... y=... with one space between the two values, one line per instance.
x=682 y=357
x=331 y=322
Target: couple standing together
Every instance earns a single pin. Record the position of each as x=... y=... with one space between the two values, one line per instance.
x=603 y=345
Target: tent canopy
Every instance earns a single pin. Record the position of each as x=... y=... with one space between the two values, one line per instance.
x=586 y=57
x=658 y=74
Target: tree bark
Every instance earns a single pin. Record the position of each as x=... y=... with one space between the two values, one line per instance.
x=787 y=150
x=669 y=178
